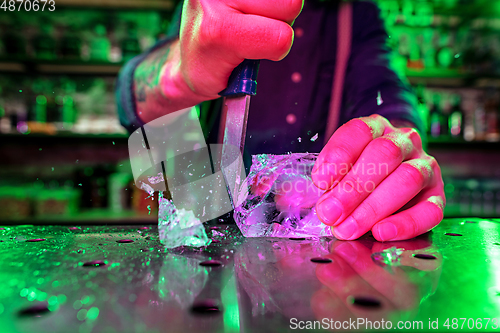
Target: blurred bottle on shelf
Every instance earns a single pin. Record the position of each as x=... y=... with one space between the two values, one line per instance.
x=491 y=119
x=480 y=120
x=436 y=117
x=456 y=119
x=71 y=43
x=100 y=45
x=14 y=43
x=44 y=44
x=130 y=44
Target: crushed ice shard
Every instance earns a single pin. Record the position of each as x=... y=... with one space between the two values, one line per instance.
x=388 y=257
x=178 y=227
x=282 y=198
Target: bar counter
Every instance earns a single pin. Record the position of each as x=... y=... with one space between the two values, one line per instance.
x=113 y=278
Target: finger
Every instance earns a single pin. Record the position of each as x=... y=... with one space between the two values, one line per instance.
x=392 y=194
x=411 y=222
x=425 y=212
x=344 y=148
x=284 y=10
x=379 y=159
x=250 y=37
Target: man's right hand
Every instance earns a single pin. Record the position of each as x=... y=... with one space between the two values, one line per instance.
x=216 y=36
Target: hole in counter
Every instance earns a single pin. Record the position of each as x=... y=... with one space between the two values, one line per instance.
x=124 y=241
x=498 y=244
x=211 y=263
x=321 y=260
x=94 y=263
x=424 y=256
x=297 y=238
x=205 y=307
x=36 y=240
x=34 y=311
x=452 y=234
x=366 y=302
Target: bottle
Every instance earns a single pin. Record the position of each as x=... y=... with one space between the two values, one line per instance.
x=130 y=44
x=44 y=44
x=480 y=120
x=491 y=117
x=456 y=118
x=71 y=44
x=100 y=46
x=435 y=116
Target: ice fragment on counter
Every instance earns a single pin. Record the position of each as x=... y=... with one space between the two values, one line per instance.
x=388 y=257
x=179 y=227
x=315 y=137
x=281 y=198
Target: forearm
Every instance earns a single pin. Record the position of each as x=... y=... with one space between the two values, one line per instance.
x=159 y=87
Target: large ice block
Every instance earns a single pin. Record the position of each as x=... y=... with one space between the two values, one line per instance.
x=179 y=227
x=282 y=198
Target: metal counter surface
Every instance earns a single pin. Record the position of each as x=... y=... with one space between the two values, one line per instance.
x=120 y=279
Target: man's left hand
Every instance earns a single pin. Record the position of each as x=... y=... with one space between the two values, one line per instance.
x=378 y=178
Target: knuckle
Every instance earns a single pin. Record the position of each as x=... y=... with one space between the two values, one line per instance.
x=359 y=127
x=412 y=175
x=387 y=148
x=369 y=209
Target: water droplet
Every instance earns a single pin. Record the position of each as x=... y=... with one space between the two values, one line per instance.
x=125 y=241
x=113 y=143
x=94 y=263
x=297 y=238
x=36 y=240
x=379 y=98
x=452 y=234
x=211 y=263
x=321 y=260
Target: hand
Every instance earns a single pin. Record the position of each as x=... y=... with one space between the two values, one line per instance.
x=378 y=177
x=217 y=35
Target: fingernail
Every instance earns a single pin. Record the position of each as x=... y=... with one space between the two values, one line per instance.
x=386 y=231
x=329 y=211
x=346 y=229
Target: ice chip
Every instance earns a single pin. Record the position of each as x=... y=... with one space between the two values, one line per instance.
x=388 y=257
x=178 y=227
x=282 y=198
x=315 y=137
x=147 y=188
x=155 y=180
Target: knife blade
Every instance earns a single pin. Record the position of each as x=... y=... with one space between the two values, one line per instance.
x=242 y=85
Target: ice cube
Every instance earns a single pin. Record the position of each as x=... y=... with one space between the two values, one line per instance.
x=282 y=198
x=178 y=227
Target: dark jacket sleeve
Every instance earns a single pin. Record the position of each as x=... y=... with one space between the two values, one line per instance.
x=124 y=88
x=369 y=74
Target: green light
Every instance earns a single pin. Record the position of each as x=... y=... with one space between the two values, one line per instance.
x=82 y=314
x=93 y=313
x=40 y=99
x=20 y=90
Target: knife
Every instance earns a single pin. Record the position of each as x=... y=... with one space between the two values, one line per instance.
x=241 y=85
